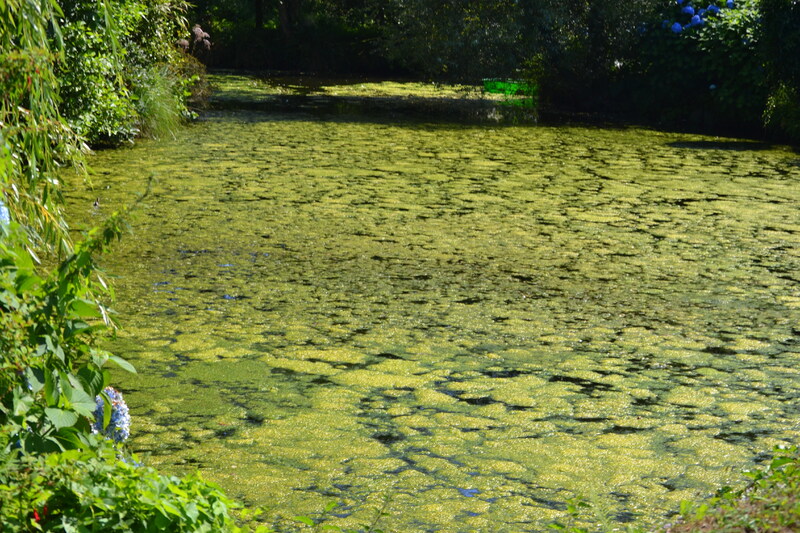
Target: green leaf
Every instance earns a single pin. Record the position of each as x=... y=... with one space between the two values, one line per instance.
x=779 y=462
x=304 y=519
x=50 y=389
x=69 y=437
x=92 y=379
x=122 y=363
x=85 y=309
x=81 y=402
x=60 y=418
x=35 y=378
x=701 y=512
x=686 y=506
x=25 y=282
x=107 y=408
x=22 y=403
x=192 y=512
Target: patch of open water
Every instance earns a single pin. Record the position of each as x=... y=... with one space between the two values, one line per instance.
x=480 y=321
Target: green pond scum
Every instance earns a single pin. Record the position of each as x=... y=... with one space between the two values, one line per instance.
x=479 y=321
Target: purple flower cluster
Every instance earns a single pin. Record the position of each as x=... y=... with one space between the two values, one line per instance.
x=120 y=424
x=696 y=16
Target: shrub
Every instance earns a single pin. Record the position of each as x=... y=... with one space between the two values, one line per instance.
x=94 y=490
x=120 y=76
x=782 y=114
x=702 y=65
x=51 y=372
x=55 y=473
x=96 y=100
x=768 y=504
x=58 y=471
x=781 y=45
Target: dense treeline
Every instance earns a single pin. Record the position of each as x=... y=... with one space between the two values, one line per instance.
x=70 y=73
x=734 y=66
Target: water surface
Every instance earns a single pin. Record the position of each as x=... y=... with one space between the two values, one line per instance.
x=479 y=321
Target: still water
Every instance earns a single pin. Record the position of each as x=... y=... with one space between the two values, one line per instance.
x=478 y=321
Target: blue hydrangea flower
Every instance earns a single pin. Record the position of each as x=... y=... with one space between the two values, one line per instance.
x=119 y=427
x=696 y=21
x=689 y=10
x=677 y=28
x=679 y=2
x=714 y=10
x=729 y=3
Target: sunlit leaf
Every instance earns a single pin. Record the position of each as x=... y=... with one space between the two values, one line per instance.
x=60 y=418
x=125 y=365
x=85 y=309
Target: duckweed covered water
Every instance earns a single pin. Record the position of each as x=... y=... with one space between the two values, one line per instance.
x=478 y=321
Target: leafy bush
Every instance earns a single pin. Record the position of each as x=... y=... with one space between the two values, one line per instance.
x=769 y=503
x=93 y=490
x=782 y=114
x=34 y=140
x=51 y=372
x=781 y=44
x=702 y=65
x=57 y=471
x=121 y=73
x=96 y=100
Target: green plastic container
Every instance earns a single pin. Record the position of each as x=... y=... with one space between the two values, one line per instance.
x=509 y=87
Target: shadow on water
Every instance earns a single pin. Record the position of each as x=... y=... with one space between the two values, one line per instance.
x=379 y=108
x=737 y=146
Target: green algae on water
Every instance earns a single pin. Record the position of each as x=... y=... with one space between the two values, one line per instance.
x=481 y=321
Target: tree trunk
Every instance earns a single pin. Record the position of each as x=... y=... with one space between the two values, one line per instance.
x=289 y=14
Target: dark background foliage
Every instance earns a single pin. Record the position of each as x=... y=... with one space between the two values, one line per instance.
x=735 y=72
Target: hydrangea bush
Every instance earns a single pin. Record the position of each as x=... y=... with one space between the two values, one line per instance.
x=702 y=64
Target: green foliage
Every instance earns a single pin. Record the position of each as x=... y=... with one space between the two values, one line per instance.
x=50 y=372
x=781 y=49
x=781 y=40
x=120 y=74
x=55 y=474
x=574 y=507
x=159 y=106
x=34 y=139
x=93 y=490
x=782 y=113
x=96 y=99
x=709 y=74
x=769 y=503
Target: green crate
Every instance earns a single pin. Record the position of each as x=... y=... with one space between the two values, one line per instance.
x=509 y=87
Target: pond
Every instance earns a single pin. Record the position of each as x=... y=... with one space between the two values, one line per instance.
x=475 y=321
